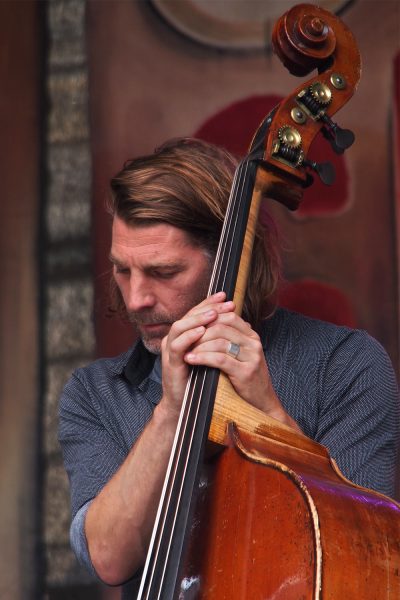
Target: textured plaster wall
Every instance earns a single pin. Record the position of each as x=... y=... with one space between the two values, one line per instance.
x=69 y=339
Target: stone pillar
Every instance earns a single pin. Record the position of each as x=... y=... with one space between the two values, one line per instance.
x=67 y=325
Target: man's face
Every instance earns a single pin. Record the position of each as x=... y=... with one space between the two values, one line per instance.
x=161 y=275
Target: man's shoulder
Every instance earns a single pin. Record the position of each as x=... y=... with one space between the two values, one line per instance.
x=95 y=387
x=296 y=326
x=111 y=364
x=308 y=334
x=104 y=369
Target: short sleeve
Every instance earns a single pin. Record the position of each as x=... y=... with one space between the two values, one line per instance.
x=91 y=453
x=78 y=539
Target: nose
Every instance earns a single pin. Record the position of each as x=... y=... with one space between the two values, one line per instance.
x=140 y=294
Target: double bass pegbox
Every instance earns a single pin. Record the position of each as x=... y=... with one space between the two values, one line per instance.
x=308 y=38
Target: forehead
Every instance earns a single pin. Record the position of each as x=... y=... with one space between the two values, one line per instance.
x=160 y=240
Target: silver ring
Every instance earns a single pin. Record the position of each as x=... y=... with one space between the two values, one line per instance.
x=233 y=350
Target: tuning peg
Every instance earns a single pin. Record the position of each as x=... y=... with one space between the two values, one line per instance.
x=344 y=138
x=340 y=139
x=326 y=170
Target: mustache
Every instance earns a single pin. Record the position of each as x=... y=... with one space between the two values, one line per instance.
x=148 y=318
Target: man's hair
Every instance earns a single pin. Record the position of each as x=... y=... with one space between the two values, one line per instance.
x=186 y=183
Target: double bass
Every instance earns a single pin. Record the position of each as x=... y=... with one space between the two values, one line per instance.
x=251 y=509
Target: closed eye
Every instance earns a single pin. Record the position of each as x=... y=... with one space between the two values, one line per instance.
x=165 y=274
x=121 y=270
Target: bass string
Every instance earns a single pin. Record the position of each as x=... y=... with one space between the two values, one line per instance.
x=229 y=229
x=226 y=248
x=228 y=236
x=183 y=442
x=187 y=425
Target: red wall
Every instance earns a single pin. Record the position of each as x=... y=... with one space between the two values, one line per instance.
x=149 y=83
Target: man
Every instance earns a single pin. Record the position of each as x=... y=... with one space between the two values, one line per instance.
x=118 y=416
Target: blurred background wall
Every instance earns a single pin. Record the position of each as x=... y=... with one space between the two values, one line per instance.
x=86 y=85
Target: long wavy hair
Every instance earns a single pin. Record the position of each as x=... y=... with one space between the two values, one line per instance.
x=186 y=183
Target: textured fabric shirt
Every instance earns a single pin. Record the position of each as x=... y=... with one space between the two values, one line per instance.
x=336 y=383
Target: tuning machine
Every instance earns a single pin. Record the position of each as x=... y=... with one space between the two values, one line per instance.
x=315 y=100
x=325 y=170
x=287 y=148
x=340 y=139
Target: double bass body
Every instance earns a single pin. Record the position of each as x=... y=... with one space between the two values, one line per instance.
x=278 y=521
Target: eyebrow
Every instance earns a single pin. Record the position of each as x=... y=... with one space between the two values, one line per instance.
x=179 y=266
x=115 y=260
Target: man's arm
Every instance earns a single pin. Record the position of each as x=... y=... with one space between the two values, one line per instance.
x=119 y=521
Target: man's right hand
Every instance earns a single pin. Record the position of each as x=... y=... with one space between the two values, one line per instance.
x=183 y=335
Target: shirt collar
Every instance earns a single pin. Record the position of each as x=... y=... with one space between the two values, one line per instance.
x=139 y=365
